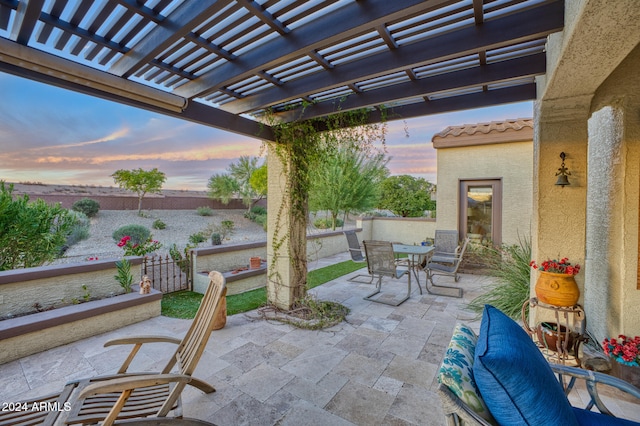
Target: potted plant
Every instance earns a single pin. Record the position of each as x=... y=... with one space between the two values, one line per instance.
x=624 y=353
x=556 y=284
x=555 y=337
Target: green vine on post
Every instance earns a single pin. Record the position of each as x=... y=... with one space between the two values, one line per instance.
x=302 y=144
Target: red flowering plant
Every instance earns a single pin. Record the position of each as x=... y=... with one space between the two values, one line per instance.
x=135 y=249
x=624 y=350
x=561 y=266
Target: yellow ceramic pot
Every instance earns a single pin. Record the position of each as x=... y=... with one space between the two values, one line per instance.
x=557 y=289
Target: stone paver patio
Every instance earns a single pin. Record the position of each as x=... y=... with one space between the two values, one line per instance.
x=379 y=367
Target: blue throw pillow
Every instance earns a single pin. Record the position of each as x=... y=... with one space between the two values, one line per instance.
x=513 y=377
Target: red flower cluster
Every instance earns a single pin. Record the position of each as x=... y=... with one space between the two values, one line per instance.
x=131 y=249
x=625 y=350
x=561 y=266
x=123 y=242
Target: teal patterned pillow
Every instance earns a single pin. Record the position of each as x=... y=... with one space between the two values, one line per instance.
x=456 y=371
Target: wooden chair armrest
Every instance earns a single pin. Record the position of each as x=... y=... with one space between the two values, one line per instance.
x=592 y=379
x=121 y=384
x=137 y=342
x=142 y=339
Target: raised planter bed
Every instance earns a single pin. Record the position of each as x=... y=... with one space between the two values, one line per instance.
x=34 y=333
x=238 y=281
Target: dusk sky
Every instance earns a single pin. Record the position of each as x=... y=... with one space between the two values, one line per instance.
x=57 y=136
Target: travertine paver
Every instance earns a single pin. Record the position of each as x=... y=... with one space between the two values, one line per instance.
x=379 y=367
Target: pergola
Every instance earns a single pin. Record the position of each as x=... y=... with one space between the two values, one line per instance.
x=224 y=63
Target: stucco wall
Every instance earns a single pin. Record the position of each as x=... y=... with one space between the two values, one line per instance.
x=588 y=107
x=613 y=204
x=26 y=290
x=511 y=162
x=407 y=230
x=116 y=313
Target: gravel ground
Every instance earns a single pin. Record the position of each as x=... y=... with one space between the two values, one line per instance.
x=180 y=225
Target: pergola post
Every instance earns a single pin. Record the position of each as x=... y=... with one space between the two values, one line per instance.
x=286 y=238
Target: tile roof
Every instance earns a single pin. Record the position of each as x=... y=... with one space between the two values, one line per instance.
x=482 y=133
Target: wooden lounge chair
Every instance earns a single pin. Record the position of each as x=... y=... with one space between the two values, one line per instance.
x=107 y=399
x=356 y=255
x=381 y=262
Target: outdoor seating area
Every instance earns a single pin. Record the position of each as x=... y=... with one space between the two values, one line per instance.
x=378 y=367
x=489 y=379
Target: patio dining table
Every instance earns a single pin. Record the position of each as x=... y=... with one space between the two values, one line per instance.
x=416 y=254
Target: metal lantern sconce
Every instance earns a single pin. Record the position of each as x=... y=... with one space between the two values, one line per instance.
x=562 y=174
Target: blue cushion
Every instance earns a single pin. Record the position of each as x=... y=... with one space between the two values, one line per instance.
x=586 y=418
x=513 y=377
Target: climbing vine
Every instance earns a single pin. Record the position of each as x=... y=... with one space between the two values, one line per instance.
x=300 y=145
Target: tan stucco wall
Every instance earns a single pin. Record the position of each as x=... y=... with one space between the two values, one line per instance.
x=511 y=162
x=20 y=296
x=614 y=143
x=407 y=230
x=588 y=108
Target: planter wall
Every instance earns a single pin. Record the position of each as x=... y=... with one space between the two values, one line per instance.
x=35 y=333
x=58 y=285
x=226 y=258
x=237 y=283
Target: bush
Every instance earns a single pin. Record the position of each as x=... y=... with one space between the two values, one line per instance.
x=138 y=233
x=216 y=239
x=326 y=223
x=87 y=206
x=196 y=238
x=158 y=224
x=80 y=229
x=204 y=211
x=225 y=229
x=33 y=232
x=261 y=220
x=258 y=210
x=511 y=290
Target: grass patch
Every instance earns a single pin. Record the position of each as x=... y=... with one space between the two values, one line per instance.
x=184 y=304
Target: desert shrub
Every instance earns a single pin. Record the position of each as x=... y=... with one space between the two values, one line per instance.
x=216 y=239
x=327 y=223
x=511 y=267
x=181 y=257
x=196 y=238
x=258 y=210
x=138 y=233
x=158 y=224
x=204 y=211
x=261 y=220
x=87 y=206
x=225 y=229
x=33 y=232
x=80 y=228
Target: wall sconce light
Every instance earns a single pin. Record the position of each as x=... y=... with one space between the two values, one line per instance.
x=562 y=174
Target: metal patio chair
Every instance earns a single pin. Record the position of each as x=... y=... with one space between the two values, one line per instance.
x=381 y=262
x=355 y=250
x=446 y=265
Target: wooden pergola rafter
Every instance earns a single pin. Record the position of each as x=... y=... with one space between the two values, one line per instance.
x=223 y=63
